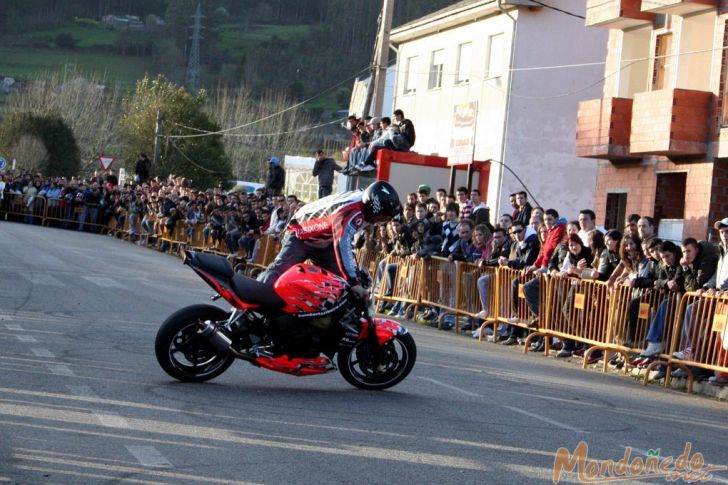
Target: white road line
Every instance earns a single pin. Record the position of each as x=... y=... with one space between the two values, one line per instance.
x=102 y=281
x=148 y=456
x=82 y=391
x=41 y=352
x=546 y=420
x=27 y=339
x=448 y=386
x=14 y=327
x=60 y=370
x=112 y=420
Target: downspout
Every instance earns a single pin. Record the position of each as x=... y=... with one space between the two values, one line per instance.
x=497 y=211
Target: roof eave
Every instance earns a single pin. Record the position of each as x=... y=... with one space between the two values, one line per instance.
x=448 y=19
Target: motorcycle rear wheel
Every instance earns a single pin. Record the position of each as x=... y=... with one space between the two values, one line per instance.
x=362 y=369
x=182 y=353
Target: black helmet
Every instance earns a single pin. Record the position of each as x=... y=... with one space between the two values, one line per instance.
x=381 y=201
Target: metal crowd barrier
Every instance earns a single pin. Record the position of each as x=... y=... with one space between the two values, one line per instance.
x=408 y=281
x=468 y=298
x=700 y=331
x=75 y=214
x=441 y=287
x=577 y=310
x=28 y=209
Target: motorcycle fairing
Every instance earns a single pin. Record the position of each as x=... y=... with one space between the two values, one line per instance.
x=385 y=330
x=310 y=291
x=296 y=366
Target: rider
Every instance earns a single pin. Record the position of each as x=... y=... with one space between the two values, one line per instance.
x=323 y=231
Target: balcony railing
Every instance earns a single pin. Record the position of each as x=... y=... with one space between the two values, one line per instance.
x=616 y=14
x=603 y=127
x=671 y=122
x=676 y=7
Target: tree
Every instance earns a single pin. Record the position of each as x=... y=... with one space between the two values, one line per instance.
x=62 y=156
x=201 y=158
x=88 y=106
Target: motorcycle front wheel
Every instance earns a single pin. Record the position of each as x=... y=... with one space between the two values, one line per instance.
x=375 y=368
x=183 y=353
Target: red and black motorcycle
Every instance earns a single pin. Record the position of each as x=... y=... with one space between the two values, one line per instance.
x=295 y=326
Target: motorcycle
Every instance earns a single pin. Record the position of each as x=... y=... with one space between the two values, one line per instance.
x=295 y=326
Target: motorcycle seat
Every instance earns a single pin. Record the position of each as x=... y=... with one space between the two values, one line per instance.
x=213 y=263
x=253 y=291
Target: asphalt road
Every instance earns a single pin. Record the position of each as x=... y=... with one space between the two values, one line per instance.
x=82 y=399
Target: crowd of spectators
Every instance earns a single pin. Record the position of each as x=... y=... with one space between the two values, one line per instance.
x=371 y=134
x=456 y=227
x=232 y=221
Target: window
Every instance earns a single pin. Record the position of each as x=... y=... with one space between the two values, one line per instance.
x=616 y=209
x=660 y=71
x=495 y=56
x=410 y=75
x=464 y=57
x=436 y=63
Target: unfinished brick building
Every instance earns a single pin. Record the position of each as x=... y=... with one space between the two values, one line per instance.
x=660 y=131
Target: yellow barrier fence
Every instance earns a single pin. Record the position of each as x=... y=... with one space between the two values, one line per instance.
x=406 y=284
x=468 y=298
x=441 y=287
x=577 y=310
x=28 y=209
x=700 y=334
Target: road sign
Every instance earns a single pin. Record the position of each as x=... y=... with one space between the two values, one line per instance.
x=3 y=164
x=106 y=161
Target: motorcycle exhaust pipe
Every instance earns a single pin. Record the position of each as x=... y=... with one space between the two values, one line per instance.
x=218 y=340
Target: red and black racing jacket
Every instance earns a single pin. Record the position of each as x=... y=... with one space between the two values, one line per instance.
x=331 y=220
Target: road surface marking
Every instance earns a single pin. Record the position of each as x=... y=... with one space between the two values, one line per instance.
x=45 y=279
x=112 y=420
x=41 y=352
x=148 y=456
x=546 y=420
x=448 y=386
x=82 y=391
x=14 y=327
x=60 y=370
x=103 y=282
x=27 y=339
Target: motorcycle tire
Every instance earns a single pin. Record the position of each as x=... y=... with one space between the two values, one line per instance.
x=359 y=368
x=177 y=339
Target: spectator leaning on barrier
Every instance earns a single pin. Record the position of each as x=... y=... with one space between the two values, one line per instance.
x=697 y=268
x=556 y=230
x=324 y=169
x=666 y=280
x=608 y=257
x=449 y=230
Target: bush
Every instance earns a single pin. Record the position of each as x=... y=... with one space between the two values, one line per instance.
x=66 y=41
x=62 y=153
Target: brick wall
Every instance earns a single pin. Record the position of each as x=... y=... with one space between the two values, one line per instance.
x=639 y=180
x=602 y=128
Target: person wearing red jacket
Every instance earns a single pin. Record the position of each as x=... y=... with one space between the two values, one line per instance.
x=557 y=230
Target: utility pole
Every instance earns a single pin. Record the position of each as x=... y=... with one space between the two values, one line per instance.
x=380 y=59
x=157 y=135
x=193 y=64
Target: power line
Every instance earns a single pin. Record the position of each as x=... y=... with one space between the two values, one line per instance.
x=174 y=145
x=244 y=125
x=559 y=10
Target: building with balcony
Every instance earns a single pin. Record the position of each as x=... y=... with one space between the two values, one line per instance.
x=487 y=66
x=659 y=132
